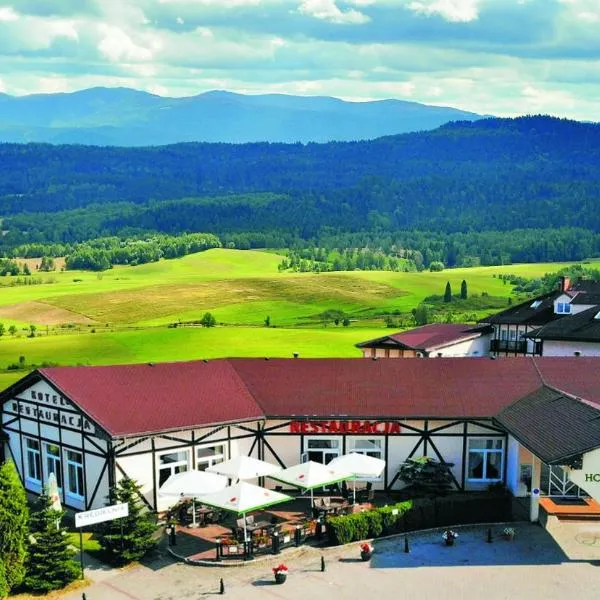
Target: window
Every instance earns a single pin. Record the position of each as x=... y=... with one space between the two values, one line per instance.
x=370 y=447
x=75 y=473
x=53 y=463
x=323 y=450
x=171 y=463
x=563 y=308
x=503 y=335
x=486 y=456
x=207 y=456
x=34 y=460
x=536 y=304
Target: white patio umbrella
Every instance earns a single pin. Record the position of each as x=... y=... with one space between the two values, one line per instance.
x=360 y=465
x=310 y=475
x=244 y=467
x=191 y=484
x=242 y=498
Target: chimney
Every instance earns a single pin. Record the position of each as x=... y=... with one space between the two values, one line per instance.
x=565 y=283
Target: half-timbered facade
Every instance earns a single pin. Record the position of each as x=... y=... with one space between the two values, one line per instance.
x=93 y=425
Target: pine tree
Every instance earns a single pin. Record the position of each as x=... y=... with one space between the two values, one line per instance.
x=14 y=529
x=463 y=290
x=4 y=589
x=50 y=564
x=138 y=527
x=448 y=293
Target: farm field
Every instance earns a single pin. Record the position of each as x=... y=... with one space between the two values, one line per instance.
x=121 y=315
x=238 y=287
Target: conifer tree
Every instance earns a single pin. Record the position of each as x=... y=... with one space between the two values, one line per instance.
x=14 y=527
x=50 y=564
x=448 y=293
x=463 y=290
x=138 y=527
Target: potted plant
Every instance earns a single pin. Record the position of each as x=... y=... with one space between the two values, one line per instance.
x=280 y=573
x=449 y=536
x=366 y=551
x=509 y=533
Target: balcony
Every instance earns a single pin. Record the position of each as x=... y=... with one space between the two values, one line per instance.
x=509 y=346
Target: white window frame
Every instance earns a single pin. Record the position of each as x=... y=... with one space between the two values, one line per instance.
x=33 y=458
x=53 y=458
x=484 y=452
x=77 y=466
x=213 y=459
x=351 y=447
x=172 y=466
x=332 y=438
x=563 y=308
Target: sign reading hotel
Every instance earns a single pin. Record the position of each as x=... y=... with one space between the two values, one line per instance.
x=41 y=407
x=352 y=427
x=99 y=515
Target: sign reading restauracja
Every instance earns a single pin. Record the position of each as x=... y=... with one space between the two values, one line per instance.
x=40 y=407
x=355 y=427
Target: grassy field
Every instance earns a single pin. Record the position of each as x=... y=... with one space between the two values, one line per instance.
x=240 y=288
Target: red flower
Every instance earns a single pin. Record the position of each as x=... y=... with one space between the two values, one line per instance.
x=280 y=569
x=366 y=547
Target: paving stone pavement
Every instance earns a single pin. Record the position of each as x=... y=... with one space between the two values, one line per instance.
x=531 y=566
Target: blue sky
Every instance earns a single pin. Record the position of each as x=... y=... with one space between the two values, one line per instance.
x=503 y=57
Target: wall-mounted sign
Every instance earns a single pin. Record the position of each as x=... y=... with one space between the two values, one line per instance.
x=592 y=477
x=352 y=427
x=49 y=415
x=99 y=515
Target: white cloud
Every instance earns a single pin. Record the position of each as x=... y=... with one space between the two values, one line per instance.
x=118 y=46
x=7 y=13
x=328 y=10
x=457 y=11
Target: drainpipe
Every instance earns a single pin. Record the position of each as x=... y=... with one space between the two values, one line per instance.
x=534 y=506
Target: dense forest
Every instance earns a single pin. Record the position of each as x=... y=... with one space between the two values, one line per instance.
x=492 y=191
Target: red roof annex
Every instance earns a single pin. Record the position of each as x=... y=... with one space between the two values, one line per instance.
x=131 y=400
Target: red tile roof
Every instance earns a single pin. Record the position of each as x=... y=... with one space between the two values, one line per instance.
x=430 y=337
x=137 y=399
x=146 y=398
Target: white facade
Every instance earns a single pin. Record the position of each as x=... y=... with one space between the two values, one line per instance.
x=48 y=433
x=479 y=346
x=564 y=348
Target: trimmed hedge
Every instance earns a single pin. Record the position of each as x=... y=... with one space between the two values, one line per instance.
x=422 y=513
x=371 y=523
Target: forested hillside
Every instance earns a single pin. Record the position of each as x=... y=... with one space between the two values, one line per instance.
x=458 y=193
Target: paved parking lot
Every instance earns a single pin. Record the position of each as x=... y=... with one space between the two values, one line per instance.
x=532 y=566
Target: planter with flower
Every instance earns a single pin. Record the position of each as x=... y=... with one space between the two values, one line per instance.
x=509 y=533
x=449 y=536
x=280 y=573
x=366 y=551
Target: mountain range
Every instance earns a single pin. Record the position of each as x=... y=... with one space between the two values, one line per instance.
x=127 y=117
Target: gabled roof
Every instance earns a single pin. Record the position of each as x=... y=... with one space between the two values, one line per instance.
x=131 y=400
x=147 y=398
x=587 y=286
x=580 y=327
x=537 y=311
x=428 y=337
x=591 y=299
x=553 y=425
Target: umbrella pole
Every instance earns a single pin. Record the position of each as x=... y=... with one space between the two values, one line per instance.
x=193 y=512
x=354 y=489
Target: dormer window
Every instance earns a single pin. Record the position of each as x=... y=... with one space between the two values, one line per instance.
x=563 y=308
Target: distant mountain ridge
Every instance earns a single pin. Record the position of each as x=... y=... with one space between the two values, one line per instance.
x=128 y=117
